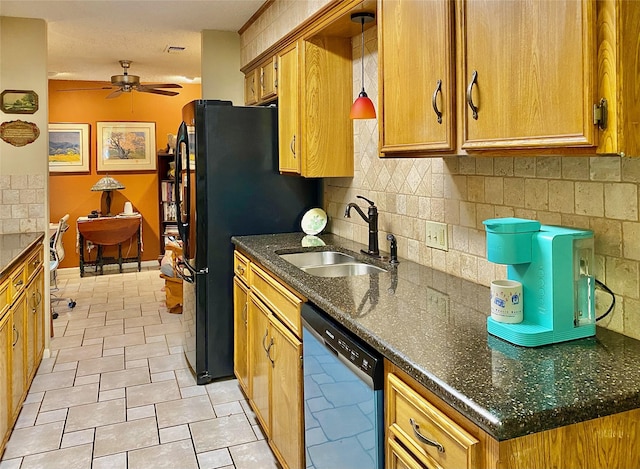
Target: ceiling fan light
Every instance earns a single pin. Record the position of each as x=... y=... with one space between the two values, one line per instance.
x=362 y=107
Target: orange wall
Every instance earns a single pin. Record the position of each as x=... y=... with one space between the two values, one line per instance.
x=71 y=193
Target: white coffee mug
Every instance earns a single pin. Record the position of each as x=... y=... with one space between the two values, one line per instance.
x=506 y=301
x=128 y=208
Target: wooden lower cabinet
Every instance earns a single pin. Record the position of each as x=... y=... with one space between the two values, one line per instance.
x=240 y=339
x=18 y=368
x=35 y=324
x=6 y=335
x=612 y=441
x=259 y=363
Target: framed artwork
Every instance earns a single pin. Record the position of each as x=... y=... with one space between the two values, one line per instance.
x=69 y=148
x=18 y=101
x=126 y=146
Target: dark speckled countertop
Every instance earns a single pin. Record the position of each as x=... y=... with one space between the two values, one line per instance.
x=13 y=246
x=433 y=326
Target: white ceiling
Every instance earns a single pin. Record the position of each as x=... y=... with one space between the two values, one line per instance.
x=88 y=37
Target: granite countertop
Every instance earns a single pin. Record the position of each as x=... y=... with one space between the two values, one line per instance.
x=13 y=246
x=433 y=326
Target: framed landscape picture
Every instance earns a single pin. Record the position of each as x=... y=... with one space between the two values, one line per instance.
x=126 y=146
x=19 y=101
x=69 y=148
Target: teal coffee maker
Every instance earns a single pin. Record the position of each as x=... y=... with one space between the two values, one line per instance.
x=554 y=265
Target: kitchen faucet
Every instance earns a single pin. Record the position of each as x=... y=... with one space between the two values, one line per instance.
x=372 y=220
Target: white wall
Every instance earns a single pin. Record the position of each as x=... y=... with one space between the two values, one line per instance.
x=220 y=67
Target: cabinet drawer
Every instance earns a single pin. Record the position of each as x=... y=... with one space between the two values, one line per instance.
x=18 y=280
x=282 y=301
x=34 y=263
x=413 y=421
x=399 y=458
x=241 y=267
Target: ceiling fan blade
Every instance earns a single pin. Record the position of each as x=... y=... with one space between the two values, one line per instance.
x=114 y=94
x=162 y=92
x=161 y=85
x=87 y=89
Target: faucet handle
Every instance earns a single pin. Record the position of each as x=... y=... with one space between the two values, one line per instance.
x=393 y=249
x=371 y=202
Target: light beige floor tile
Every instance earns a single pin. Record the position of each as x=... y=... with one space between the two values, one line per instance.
x=126 y=436
x=94 y=341
x=100 y=365
x=113 y=461
x=68 y=397
x=135 y=352
x=34 y=397
x=11 y=463
x=145 y=298
x=75 y=354
x=124 y=378
x=77 y=438
x=142 y=321
x=151 y=339
x=45 y=382
x=164 y=376
x=113 y=304
x=191 y=391
x=112 y=394
x=76 y=457
x=88 y=379
x=167 y=363
x=59 y=415
x=31 y=440
x=103 y=331
x=224 y=391
x=96 y=415
x=176 y=454
x=47 y=364
x=58 y=343
x=124 y=340
x=228 y=408
x=152 y=393
x=174 y=340
x=84 y=323
x=189 y=410
x=141 y=412
x=141 y=363
x=185 y=378
x=221 y=432
x=252 y=455
x=124 y=313
x=258 y=432
x=179 y=432
x=113 y=351
x=215 y=459
x=28 y=415
x=65 y=366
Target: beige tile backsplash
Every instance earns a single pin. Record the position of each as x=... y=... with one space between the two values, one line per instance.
x=598 y=193
x=22 y=199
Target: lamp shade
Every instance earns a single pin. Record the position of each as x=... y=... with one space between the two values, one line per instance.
x=107 y=183
x=362 y=107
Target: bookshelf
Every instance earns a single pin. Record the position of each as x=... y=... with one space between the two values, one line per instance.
x=166 y=197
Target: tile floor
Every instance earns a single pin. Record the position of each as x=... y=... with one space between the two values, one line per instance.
x=117 y=392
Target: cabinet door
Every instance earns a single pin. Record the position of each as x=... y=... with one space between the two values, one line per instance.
x=259 y=364
x=35 y=324
x=286 y=395
x=6 y=334
x=417 y=81
x=268 y=79
x=288 y=111
x=251 y=87
x=533 y=63
x=240 y=322
x=18 y=367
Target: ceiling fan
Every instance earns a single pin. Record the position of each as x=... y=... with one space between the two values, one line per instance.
x=125 y=83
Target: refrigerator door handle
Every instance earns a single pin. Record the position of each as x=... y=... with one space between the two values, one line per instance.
x=183 y=206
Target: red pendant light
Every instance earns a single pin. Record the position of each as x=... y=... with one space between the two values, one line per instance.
x=362 y=107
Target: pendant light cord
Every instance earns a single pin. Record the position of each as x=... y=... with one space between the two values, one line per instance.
x=362 y=55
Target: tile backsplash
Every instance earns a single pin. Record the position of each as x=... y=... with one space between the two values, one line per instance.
x=22 y=203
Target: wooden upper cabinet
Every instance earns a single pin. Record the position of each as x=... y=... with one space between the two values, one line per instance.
x=268 y=79
x=288 y=111
x=529 y=69
x=251 y=87
x=416 y=79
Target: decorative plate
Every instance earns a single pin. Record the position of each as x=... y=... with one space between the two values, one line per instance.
x=314 y=221
x=310 y=241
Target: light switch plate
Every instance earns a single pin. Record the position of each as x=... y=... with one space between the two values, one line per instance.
x=437 y=236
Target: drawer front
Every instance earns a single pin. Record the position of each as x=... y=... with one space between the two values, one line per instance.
x=399 y=458
x=18 y=280
x=241 y=267
x=432 y=436
x=5 y=296
x=34 y=263
x=284 y=304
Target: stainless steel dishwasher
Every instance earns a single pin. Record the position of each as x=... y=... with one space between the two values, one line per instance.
x=343 y=396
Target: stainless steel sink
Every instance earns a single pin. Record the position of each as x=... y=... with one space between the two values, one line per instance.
x=343 y=270
x=330 y=264
x=317 y=258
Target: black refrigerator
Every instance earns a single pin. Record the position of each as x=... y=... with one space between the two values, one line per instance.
x=227 y=183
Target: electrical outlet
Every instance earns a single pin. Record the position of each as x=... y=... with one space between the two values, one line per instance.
x=438 y=304
x=437 y=236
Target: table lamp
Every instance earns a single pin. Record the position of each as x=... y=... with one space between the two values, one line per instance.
x=106 y=185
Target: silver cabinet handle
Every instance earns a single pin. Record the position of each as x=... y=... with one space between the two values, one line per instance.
x=434 y=101
x=17 y=335
x=273 y=363
x=474 y=81
x=424 y=439
x=264 y=345
x=293 y=146
x=37 y=299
